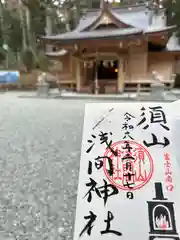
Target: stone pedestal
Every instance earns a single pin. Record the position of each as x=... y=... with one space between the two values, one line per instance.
x=43 y=89
x=157 y=91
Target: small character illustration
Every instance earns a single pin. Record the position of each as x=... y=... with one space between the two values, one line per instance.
x=161 y=216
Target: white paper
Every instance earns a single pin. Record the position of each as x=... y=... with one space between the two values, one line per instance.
x=131 y=216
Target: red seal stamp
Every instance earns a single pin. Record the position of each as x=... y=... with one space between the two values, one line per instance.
x=132 y=165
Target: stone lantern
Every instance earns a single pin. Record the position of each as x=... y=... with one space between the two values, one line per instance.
x=157 y=87
x=42 y=85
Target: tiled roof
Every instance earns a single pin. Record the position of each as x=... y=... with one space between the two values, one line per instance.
x=137 y=17
x=87 y=20
x=153 y=29
x=115 y=33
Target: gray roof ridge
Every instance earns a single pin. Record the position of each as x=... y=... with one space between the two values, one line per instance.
x=132 y=29
x=160 y=29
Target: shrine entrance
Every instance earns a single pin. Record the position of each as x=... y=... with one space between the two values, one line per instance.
x=105 y=75
x=107 y=70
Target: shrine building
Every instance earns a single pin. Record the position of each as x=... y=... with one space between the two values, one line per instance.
x=116 y=49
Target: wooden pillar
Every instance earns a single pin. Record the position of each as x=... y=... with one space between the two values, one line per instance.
x=120 y=80
x=78 y=75
x=96 y=73
x=96 y=79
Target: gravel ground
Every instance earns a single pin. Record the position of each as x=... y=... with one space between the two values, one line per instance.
x=40 y=141
x=40 y=144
